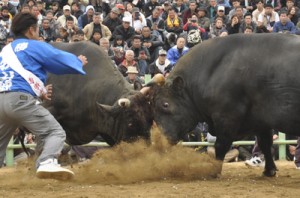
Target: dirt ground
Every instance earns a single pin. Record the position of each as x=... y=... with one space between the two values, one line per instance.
x=156 y=170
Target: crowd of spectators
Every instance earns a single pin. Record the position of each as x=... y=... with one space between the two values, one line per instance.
x=144 y=27
x=149 y=36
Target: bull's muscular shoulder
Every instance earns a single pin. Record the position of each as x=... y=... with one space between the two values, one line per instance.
x=238 y=50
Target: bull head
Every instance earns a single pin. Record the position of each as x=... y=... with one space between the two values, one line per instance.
x=122 y=102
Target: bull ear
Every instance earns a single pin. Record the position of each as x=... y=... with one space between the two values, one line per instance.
x=178 y=84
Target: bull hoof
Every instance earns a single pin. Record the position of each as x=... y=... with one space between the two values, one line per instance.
x=269 y=173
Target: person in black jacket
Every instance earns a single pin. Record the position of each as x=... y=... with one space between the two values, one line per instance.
x=151 y=42
x=125 y=30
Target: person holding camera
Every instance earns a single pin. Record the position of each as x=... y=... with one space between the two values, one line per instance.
x=138 y=20
x=195 y=33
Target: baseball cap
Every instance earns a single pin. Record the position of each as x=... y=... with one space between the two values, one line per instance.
x=66 y=7
x=126 y=19
x=221 y=8
x=162 y=52
x=116 y=10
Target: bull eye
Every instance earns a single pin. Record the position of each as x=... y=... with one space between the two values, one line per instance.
x=166 y=105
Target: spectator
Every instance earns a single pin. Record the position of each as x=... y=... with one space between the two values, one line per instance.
x=179 y=7
x=132 y=75
x=141 y=54
x=70 y=27
x=234 y=25
x=173 y=23
x=248 y=30
x=119 y=47
x=125 y=30
x=63 y=18
x=151 y=42
x=87 y=17
x=275 y=3
x=11 y=8
x=56 y=10
x=221 y=14
x=78 y=36
x=162 y=65
x=121 y=9
x=46 y=32
x=96 y=36
x=75 y=10
x=35 y=11
x=248 y=22
x=150 y=6
x=138 y=20
x=217 y=28
x=188 y=13
x=40 y=6
x=128 y=61
x=112 y=20
x=293 y=14
x=268 y=18
x=54 y=25
x=25 y=9
x=284 y=25
x=195 y=33
x=212 y=10
x=166 y=7
x=203 y=21
x=259 y=10
x=128 y=9
x=177 y=51
x=156 y=23
x=5 y=18
x=237 y=4
x=297 y=154
x=96 y=25
x=104 y=44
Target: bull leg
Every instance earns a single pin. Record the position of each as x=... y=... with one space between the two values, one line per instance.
x=222 y=146
x=265 y=141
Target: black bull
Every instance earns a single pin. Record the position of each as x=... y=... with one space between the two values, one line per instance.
x=240 y=85
x=75 y=101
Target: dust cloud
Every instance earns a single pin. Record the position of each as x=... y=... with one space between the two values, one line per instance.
x=127 y=163
x=139 y=161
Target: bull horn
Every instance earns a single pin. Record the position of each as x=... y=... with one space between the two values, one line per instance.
x=145 y=90
x=158 y=79
x=105 y=107
x=124 y=102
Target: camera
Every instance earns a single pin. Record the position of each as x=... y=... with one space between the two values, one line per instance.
x=193 y=20
x=136 y=16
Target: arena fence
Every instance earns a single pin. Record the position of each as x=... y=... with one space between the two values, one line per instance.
x=281 y=141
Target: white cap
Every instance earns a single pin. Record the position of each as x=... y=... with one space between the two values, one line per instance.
x=66 y=7
x=221 y=8
x=126 y=19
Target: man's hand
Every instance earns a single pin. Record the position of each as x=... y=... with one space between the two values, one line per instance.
x=83 y=60
x=48 y=95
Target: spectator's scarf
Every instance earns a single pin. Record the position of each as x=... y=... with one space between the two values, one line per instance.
x=175 y=22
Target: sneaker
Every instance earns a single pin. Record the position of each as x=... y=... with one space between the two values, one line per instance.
x=255 y=161
x=50 y=169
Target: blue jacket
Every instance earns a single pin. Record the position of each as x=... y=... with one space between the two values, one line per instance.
x=289 y=27
x=39 y=58
x=173 y=54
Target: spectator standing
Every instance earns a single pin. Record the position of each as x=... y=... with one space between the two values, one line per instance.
x=138 y=20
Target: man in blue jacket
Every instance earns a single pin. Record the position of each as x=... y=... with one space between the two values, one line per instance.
x=24 y=64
